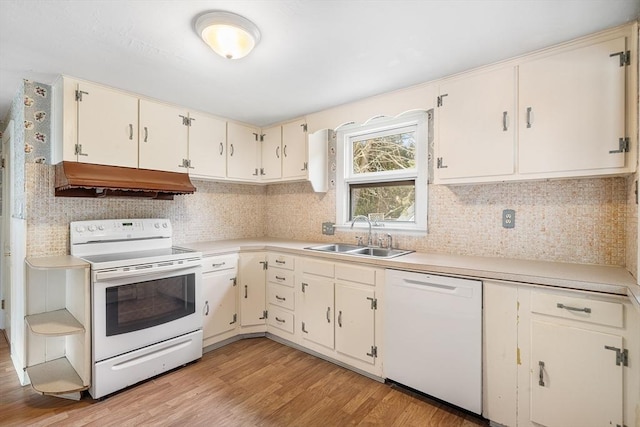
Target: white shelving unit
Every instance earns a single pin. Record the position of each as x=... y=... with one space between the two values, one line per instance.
x=58 y=320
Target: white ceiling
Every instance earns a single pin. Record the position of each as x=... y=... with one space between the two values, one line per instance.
x=314 y=54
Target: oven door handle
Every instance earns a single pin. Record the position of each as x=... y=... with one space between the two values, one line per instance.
x=143 y=270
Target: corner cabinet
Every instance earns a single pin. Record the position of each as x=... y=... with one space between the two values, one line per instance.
x=220 y=309
x=252 y=268
x=58 y=316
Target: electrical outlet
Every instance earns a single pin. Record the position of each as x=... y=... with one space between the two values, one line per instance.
x=508 y=218
x=328 y=228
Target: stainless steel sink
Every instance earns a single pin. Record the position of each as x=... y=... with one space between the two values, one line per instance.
x=364 y=251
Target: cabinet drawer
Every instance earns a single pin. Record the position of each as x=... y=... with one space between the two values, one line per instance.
x=217 y=263
x=319 y=268
x=283 y=277
x=356 y=274
x=278 y=318
x=281 y=261
x=281 y=296
x=576 y=308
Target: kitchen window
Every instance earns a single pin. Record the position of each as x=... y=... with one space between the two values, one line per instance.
x=381 y=173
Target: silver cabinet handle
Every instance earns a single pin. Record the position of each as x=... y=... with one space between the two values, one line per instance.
x=529 y=116
x=284 y=151
x=278 y=151
x=146 y=134
x=206 y=307
x=279 y=298
x=566 y=307
x=130 y=131
x=221 y=148
x=505 y=121
x=245 y=291
x=279 y=320
x=541 y=373
x=328 y=314
x=340 y=318
x=231 y=153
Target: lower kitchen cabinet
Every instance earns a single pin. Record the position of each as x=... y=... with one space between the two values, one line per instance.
x=556 y=357
x=316 y=312
x=355 y=324
x=220 y=311
x=251 y=281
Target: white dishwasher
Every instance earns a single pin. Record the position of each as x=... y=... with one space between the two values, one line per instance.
x=433 y=336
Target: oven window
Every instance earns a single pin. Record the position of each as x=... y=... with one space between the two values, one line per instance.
x=145 y=304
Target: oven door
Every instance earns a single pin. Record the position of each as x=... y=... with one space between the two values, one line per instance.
x=135 y=309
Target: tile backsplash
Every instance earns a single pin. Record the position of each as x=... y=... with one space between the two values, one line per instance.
x=582 y=221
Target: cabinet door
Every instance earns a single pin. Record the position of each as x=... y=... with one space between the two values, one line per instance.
x=294 y=150
x=163 y=137
x=572 y=110
x=251 y=278
x=574 y=379
x=317 y=310
x=107 y=127
x=243 y=153
x=355 y=331
x=207 y=146
x=271 y=154
x=476 y=126
x=219 y=294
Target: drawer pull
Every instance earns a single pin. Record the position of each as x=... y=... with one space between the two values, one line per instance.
x=281 y=278
x=567 y=307
x=218 y=265
x=340 y=318
x=280 y=262
x=279 y=298
x=541 y=373
x=328 y=314
x=279 y=320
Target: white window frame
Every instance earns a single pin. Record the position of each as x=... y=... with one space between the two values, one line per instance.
x=344 y=176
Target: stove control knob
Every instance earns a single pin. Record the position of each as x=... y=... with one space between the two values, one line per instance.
x=156 y=225
x=92 y=228
x=164 y=225
x=80 y=229
x=101 y=227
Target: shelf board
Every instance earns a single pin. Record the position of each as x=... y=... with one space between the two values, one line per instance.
x=55 y=377
x=54 y=323
x=61 y=261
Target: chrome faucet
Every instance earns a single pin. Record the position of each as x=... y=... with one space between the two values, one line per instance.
x=357 y=217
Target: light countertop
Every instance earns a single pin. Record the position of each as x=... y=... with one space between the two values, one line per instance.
x=586 y=277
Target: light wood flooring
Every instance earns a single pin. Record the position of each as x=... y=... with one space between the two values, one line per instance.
x=253 y=382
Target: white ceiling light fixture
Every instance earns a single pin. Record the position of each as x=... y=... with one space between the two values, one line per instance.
x=229 y=35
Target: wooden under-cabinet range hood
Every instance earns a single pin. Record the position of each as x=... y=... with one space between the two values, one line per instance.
x=88 y=180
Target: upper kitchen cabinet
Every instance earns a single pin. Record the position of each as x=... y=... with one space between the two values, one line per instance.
x=207 y=146
x=94 y=124
x=294 y=150
x=572 y=111
x=476 y=131
x=572 y=117
x=243 y=153
x=271 y=167
x=163 y=136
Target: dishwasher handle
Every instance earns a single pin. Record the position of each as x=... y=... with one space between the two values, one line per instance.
x=442 y=288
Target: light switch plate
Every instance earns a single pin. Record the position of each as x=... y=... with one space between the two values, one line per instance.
x=328 y=229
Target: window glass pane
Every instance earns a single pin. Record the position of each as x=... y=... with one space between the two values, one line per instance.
x=389 y=201
x=384 y=153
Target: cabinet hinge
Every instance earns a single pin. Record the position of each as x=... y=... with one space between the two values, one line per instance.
x=374 y=303
x=623 y=146
x=305 y=166
x=235 y=281
x=79 y=94
x=304 y=127
x=256 y=136
x=235 y=319
x=625 y=57
x=2 y=304
x=440 y=99
x=440 y=164
x=2 y=164
x=185 y=120
x=622 y=355
x=262 y=137
x=262 y=172
x=265 y=314
x=374 y=351
x=265 y=264
x=304 y=330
